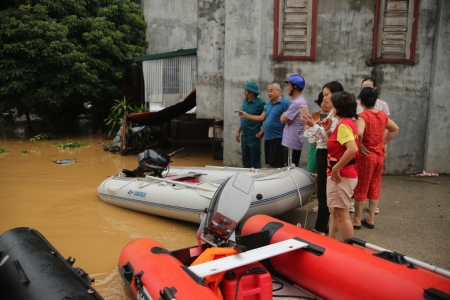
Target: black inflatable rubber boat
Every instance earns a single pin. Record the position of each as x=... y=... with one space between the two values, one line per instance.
x=31 y=268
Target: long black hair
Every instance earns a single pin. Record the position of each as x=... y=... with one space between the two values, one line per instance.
x=368 y=96
x=370 y=78
x=334 y=87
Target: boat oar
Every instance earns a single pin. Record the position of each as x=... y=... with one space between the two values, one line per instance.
x=414 y=261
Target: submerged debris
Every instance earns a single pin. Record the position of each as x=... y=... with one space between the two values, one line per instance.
x=111 y=148
x=44 y=136
x=65 y=161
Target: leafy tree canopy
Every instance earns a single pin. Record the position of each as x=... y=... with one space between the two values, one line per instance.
x=57 y=54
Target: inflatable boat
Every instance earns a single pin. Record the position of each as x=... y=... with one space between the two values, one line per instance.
x=183 y=193
x=323 y=269
x=31 y=268
x=270 y=259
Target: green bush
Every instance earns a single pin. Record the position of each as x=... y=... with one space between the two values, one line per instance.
x=114 y=120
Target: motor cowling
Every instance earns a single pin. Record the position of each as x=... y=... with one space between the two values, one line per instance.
x=153 y=160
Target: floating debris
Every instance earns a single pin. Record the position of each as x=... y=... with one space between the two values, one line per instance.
x=65 y=161
x=70 y=144
x=110 y=148
x=44 y=136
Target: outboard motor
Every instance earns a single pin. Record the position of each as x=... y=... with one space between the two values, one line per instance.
x=150 y=161
x=228 y=206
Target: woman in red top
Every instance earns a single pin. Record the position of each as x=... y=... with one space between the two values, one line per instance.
x=371 y=125
x=342 y=173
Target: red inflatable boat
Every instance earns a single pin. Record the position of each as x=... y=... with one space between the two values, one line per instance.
x=272 y=259
x=325 y=268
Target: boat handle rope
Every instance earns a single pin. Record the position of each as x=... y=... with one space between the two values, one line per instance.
x=293 y=179
x=417 y=262
x=118 y=178
x=298 y=191
x=187 y=184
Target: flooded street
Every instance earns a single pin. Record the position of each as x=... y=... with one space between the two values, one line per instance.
x=61 y=202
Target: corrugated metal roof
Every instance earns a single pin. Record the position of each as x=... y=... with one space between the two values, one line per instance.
x=166 y=55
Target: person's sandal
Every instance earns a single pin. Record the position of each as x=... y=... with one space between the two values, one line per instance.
x=318 y=232
x=377 y=210
x=314 y=209
x=351 y=209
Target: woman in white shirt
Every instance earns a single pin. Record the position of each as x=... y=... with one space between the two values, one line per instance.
x=320 y=135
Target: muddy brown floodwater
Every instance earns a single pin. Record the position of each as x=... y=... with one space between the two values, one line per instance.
x=61 y=202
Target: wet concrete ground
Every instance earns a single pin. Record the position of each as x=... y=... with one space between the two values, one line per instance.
x=414 y=218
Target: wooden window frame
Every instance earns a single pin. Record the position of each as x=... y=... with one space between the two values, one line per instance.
x=276 y=41
x=378 y=32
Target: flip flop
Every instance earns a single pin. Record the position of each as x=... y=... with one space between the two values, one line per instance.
x=314 y=209
x=357 y=227
x=364 y=222
x=318 y=232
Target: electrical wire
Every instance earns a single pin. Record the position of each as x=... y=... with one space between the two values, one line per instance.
x=279 y=288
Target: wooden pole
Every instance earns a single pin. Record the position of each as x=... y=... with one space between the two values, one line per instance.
x=124 y=134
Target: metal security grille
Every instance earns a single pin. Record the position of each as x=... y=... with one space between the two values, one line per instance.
x=168 y=80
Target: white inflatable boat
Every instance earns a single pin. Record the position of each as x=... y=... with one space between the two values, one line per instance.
x=184 y=192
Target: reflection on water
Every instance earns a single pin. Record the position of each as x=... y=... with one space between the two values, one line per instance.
x=19 y=132
x=61 y=202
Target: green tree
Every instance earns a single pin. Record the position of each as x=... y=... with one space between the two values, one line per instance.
x=57 y=54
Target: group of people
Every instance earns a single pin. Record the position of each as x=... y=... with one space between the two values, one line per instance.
x=283 y=127
x=347 y=139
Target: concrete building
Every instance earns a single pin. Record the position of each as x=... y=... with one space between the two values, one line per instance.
x=235 y=44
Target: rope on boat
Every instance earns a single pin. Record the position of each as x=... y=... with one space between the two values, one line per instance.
x=298 y=191
x=295 y=182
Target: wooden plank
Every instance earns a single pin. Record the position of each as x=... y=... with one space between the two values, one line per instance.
x=294 y=53
x=394 y=42
x=124 y=134
x=397 y=6
x=295 y=32
x=393 y=49
x=245 y=258
x=297 y=3
x=396 y=21
x=395 y=36
x=301 y=18
x=395 y=29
